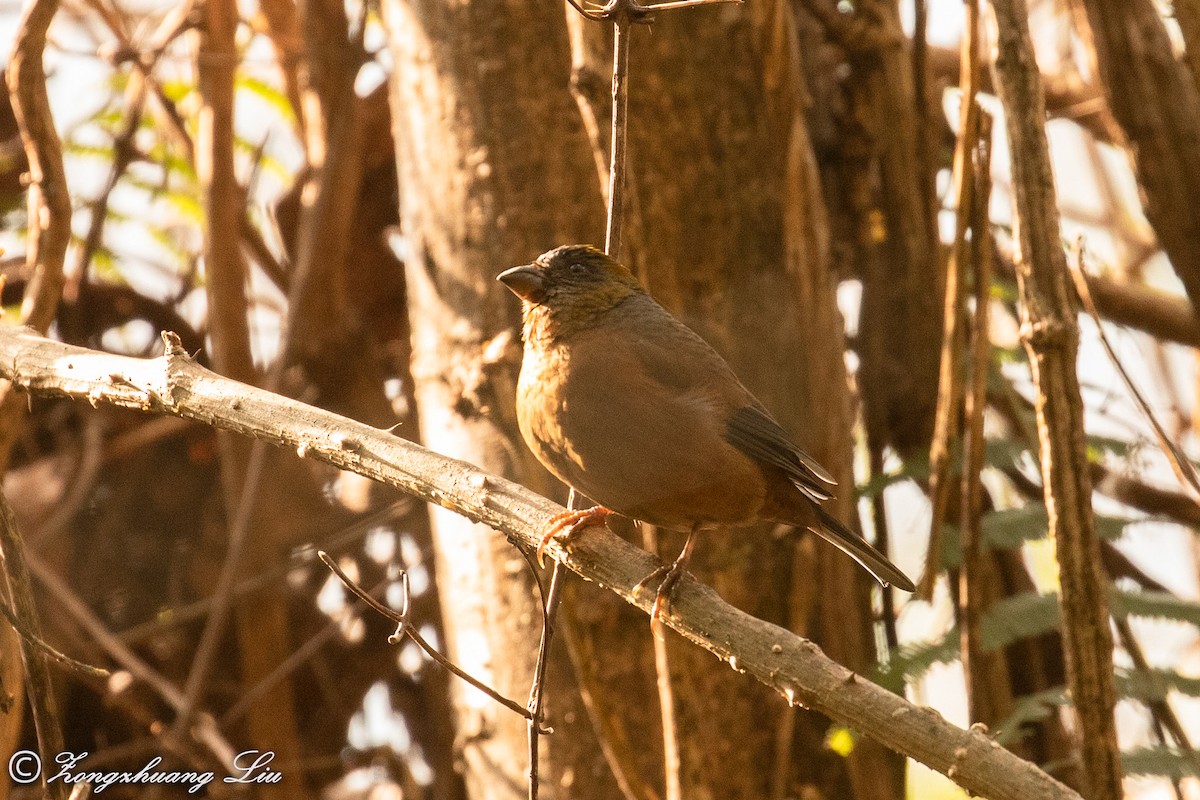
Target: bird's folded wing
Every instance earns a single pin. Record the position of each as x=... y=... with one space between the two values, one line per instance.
x=757 y=435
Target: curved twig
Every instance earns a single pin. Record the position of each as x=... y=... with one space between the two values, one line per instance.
x=404 y=627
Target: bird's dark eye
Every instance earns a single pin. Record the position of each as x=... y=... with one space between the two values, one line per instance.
x=579 y=269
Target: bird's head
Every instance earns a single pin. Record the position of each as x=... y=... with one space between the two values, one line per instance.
x=571 y=284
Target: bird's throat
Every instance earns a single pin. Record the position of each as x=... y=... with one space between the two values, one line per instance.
x=549 y=322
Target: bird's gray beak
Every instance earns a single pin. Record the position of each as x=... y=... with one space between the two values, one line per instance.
x=525 y=282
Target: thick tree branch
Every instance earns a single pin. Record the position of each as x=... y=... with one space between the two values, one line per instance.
x=796 y=668
x=1066 y=98
x=1164 y=316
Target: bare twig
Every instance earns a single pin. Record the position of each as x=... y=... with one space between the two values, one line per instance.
x=124 y=154
x=610 y=732
x=880 y=520
x=794 y=667
x=293 y=662
x=672 y=785
x=42 y=701
x=1180 y=463
x=222 y=603
x=49 y=209
x=404 y=627
x=1050 y=333
x=550 y=604
x=51 y=652
x=204 y=731
x=988 y=692
x=49 y=203
x=1164 y=715
x=200 y=608
x=946 y=432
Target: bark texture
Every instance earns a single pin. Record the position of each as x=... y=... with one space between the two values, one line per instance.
x=1051 y=337
x=727 y=229
x=494 y=170
x=1157 y=103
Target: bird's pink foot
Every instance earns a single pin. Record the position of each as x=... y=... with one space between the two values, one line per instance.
x=569 y=522
x=667 y=575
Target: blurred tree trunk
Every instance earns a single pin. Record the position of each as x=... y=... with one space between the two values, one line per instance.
x=493 y=170
x=1157 y=103
x=729 y=231
x=872 y=132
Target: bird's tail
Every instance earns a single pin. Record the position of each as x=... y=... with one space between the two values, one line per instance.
x=861 y=551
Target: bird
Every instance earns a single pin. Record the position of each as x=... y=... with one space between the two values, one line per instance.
x=629 y=407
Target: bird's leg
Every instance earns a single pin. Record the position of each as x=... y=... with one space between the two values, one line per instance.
x=569 y=522
x=668 y=575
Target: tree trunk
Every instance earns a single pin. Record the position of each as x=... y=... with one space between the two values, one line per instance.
x=728 y=230
x=493 y=170
x=1157 y=104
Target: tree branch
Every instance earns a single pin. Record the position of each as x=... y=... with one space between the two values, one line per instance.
x=1051 y=335
x=796 y=668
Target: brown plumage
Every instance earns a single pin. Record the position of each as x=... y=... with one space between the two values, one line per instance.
x=626 y=404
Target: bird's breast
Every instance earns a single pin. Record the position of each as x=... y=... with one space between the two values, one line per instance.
x=647 y=450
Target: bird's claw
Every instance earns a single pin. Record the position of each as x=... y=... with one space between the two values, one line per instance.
x=667 y=576
x=568 y=522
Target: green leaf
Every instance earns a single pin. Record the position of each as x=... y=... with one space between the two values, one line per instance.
x=272 y=96
x=168 y=241
x=1155 y=684
x=1163 y=761
x=1026 y=710
x=176 y=91
x=80 y=150
x=1018 y=617
x=1012 y=527
x=1154 y=605
x=267 y=163
x=187 y=204
x=912 y=661
x=1004 y=453
x=1099 y=446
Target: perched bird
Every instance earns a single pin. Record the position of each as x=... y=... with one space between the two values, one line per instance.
x=628 y=406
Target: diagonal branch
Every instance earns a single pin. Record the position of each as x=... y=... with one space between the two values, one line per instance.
x=796 y=668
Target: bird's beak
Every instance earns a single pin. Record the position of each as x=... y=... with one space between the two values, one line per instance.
x=525 y=282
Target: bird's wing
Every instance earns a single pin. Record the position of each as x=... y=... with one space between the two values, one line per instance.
x=757 y=435
x=690 y=365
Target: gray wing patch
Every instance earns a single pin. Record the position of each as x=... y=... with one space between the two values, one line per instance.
x=760 y=437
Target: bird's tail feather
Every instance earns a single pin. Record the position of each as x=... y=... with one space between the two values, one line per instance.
x=861 y=551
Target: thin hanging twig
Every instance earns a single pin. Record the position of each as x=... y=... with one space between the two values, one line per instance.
x=1181 y=465
x=946 y=433
x=49 y=650
x=404 y=627
x=550 y=603
x=42 y=700
x=623 y=14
